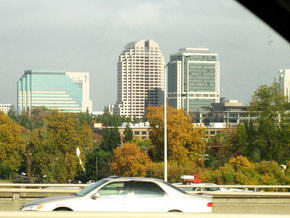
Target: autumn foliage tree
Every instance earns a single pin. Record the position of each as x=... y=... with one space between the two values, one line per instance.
x=130 y=160
x=240 y=170
x=12 y=146
x=53 y=147
x=185 y=142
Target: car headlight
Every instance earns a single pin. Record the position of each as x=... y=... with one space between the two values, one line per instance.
x=31 y=207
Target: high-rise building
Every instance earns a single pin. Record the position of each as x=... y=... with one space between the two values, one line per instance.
x=193 y=80
x=283 y=79
x=140 y=78
x=64 y=91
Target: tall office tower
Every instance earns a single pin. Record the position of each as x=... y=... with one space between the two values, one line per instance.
x=64 y=91
x=140 y=78
x=283 y=79
x=193 y=80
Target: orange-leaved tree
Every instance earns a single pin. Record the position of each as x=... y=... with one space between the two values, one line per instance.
x=12 y=146
x=185 y=142
x=130 y=160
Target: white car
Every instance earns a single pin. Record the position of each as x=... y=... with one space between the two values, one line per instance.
x=126 y=194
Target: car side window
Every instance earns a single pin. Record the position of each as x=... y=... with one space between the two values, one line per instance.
x=147 y=189
x=115 y=188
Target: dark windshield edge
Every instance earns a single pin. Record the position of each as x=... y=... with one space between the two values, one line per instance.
x=91 y=187
x=172 y=186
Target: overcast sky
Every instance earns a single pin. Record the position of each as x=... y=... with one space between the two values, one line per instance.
x=89 y=35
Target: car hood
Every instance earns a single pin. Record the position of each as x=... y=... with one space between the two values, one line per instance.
x=48 y=199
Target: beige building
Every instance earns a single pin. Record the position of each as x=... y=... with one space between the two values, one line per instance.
x=140 y=130
x=140 y=78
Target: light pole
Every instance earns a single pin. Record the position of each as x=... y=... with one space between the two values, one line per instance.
x=165 y=122
x=165 y=112
x=165 y=117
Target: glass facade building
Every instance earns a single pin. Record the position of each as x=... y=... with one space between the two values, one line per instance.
x=64 y=91
x=193 y=80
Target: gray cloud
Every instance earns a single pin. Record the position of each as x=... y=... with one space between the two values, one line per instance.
x=88 y=35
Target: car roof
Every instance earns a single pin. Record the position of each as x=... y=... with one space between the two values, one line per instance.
x=116 y=178
x=204 y=184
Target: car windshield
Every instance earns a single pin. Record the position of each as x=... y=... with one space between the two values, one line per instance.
x=91 y=187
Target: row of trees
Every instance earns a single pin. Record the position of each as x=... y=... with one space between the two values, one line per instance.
x=43 y=144
x=255 y=153
x=264 y=139
x=239 y=170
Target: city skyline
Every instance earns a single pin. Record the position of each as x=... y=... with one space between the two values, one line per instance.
x=83 y=36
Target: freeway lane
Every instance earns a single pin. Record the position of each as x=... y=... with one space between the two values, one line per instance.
x=222 y=205
x=63 y=214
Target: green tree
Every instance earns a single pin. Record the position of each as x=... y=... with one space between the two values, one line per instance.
x=144 y=144
x=239 y=170
x=272 y=139
x=54 y=147
x=175 y=170
x=31 y=119
x=128 y=134
x=85 y=118
x=220 y=148
x=12 y=114
x=111 y=139
x=110 y=120
x=227 y=144
x=103 y=163
x=266 y=138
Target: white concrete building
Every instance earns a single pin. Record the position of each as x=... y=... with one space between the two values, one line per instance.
x=5 y=108
x=283 y=79
x=97 y=113
x=140 y=78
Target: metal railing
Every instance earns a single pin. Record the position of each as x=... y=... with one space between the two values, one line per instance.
x=28 y=185
x=254 y=188
x=45 y=186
